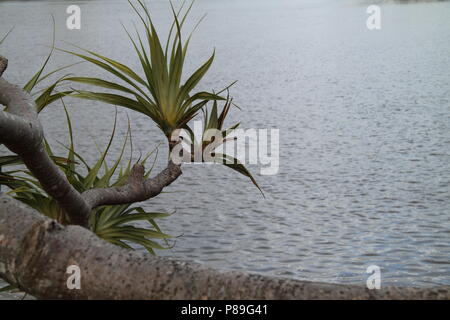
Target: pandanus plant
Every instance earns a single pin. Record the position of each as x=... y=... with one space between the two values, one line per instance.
x=113 y=223
x=160 y=93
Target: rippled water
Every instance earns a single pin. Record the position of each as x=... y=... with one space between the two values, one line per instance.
x=364 y=132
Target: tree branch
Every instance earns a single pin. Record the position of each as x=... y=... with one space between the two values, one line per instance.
x=28 y=242
x=22 y=133
x=136 y=189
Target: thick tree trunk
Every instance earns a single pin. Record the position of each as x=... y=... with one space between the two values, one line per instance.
x=36 y=251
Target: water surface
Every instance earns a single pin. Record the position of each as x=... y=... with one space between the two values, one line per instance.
x=364 y=132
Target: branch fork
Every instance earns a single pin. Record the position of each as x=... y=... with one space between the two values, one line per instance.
x=22 y=133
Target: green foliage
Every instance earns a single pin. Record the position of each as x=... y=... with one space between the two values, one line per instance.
x=215 y=121
x=7 y=288
x=160 y=94
x=46 y=96
x=5 y=36
x=111 y=223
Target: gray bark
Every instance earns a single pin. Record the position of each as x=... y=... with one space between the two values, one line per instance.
x=36 y=251
x=22 y=133
x=137 y=189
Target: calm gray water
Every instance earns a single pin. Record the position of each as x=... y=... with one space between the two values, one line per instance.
x=364 y=132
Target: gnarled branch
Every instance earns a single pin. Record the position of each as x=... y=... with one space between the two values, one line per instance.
x=22 y=133
x=136 y=189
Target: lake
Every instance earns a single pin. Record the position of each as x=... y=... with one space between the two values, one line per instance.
x=364 y=120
